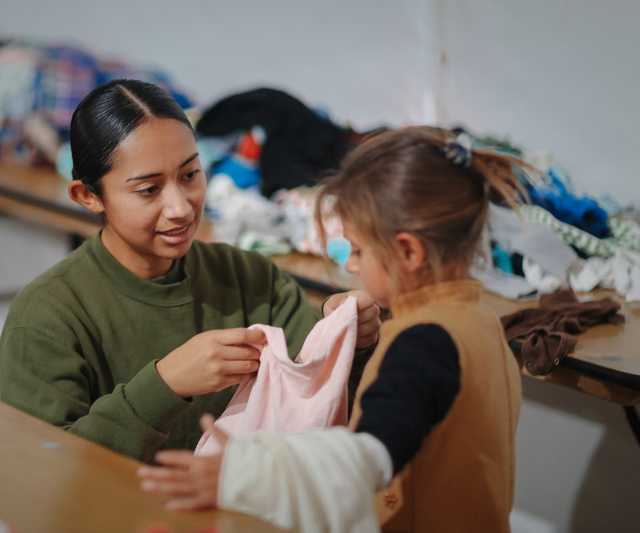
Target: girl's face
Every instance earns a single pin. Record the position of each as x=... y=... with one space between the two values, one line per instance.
x=153 y=197
x=368 y=267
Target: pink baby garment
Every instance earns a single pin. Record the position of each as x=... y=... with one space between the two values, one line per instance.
x=288 y=395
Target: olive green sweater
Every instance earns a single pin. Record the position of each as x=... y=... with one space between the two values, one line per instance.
x=80 y=343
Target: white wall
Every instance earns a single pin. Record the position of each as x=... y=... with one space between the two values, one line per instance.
x=557 y=75
x=368 y=62
x=27 y=251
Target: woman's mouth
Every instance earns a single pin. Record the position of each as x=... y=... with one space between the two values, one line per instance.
x=176 y=235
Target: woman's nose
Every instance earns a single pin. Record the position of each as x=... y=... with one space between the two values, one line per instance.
x=176 y=204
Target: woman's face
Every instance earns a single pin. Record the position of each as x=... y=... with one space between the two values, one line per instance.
x=153 y=197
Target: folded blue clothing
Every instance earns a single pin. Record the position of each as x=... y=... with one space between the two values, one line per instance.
x=584 y=213
x=501 y=258
x=243 y=173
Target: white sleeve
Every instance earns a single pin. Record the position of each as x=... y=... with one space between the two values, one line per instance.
x=317 y=480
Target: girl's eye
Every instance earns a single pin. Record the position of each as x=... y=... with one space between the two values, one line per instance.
x=148 y=191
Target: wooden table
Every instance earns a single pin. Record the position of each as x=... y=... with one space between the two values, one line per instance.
x=606 y=362
x=53 y=481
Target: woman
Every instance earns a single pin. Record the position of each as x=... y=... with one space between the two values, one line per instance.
x=141 y=330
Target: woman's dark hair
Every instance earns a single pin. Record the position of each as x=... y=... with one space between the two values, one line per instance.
x=106 y=116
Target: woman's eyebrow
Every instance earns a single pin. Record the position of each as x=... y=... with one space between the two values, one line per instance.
x=156 y=174
x=145 y=176
x=189 y=159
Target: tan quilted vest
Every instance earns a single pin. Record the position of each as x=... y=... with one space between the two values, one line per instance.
x=462 y=478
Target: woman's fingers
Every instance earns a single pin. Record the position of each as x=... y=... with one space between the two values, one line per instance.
x=369 y=314
x=366 y=342
x=238 y=336
x=238 y=368
x=233 y=353
x=333 y=302
x=364 y=300
x=254 y=336
x=369 y=328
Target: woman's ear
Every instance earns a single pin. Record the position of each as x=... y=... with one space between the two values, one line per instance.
x=80 y=193
x=411 y=251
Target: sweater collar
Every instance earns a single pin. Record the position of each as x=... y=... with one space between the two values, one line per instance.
x=127 y=283
x=466 y=290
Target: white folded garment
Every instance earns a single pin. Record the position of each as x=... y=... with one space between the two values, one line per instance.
x=317 y=480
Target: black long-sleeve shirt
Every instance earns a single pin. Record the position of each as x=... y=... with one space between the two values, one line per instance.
x=418 y=380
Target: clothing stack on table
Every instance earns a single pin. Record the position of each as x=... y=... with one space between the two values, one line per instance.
x=41 y=85
x=266 y=152
x=560 y=239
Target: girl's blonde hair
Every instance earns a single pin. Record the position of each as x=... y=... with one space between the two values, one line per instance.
x=403 y=181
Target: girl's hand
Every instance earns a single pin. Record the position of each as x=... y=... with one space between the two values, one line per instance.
x=211 y=361
x=189 y=482
x=368 y=316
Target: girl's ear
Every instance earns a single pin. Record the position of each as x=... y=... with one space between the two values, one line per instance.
x=412 y=253
x=79 y=192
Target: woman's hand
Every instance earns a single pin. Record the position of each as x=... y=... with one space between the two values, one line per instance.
x=211 y=361
x=190 y=482
x=368 y=316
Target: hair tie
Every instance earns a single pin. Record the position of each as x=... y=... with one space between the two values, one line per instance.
x=458 y=150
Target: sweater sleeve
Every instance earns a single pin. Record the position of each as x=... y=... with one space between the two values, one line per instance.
x=49 y=379
x=417 y=383
x=291 y=311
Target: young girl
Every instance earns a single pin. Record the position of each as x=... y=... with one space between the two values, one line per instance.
x=130 y=339
x=440 y=397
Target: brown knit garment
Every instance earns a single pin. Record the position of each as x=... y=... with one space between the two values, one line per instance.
x=542 y=336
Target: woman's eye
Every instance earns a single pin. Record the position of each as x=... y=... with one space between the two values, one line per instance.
x=190 y=175
x=148 y=191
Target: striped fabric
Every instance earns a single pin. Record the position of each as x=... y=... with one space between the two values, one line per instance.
x=626 y=233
